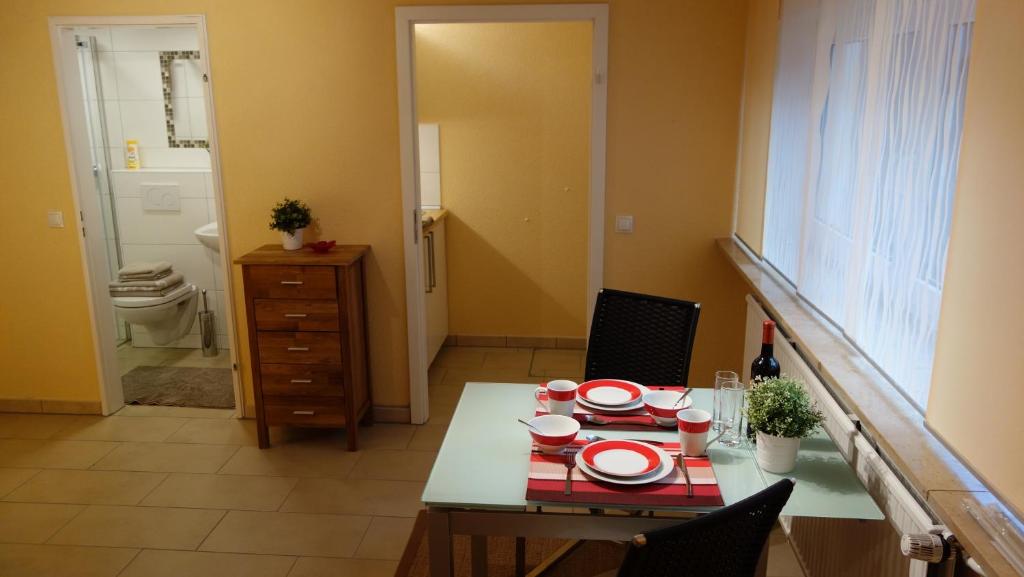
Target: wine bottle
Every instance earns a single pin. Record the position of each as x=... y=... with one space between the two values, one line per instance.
x=765 y=366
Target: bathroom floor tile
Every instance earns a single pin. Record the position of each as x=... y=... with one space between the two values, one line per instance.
x=288 y=534
x=32 y=426
x=385 y=538
x=52 y=454
x=145 y=527
x=167 y=457
x=291 y=461
x=33 y=522
x=195 y=358
x=61 y=561
x=11 y=479
x=327 y=567
x=394 y=465
x=96 y=428
x=217 y=432
x=87 y=487
x=179 y=412
x=153 y=563
x=356 y=497
x=221 y=492
x=428 y=438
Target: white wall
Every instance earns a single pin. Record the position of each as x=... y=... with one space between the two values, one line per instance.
x=430 y=165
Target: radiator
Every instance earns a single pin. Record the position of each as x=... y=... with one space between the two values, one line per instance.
x=841 y=547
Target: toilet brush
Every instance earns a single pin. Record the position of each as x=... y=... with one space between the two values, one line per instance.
x=207 y=329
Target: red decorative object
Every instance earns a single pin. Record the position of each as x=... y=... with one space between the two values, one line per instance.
x=322 y=246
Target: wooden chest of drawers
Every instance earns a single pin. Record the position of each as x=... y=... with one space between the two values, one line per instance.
x=306 y=314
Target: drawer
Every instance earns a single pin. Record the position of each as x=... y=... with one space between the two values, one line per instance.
x=296 y=315
x=299 y=348
x=292 y=282
x=302 y=380
x=309 y=412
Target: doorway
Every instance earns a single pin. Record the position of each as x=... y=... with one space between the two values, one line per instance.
x=138 y=117
x=518 y=265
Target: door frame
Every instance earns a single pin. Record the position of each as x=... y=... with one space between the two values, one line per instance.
x=87 y=217
x=405 y=20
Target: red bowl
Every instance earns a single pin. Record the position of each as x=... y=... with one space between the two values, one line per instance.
x=322 y=246
x=556 y=431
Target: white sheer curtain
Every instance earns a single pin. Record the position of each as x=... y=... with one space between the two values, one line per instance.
x=879 y=161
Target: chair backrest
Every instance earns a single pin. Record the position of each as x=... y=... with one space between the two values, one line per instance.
x=641 y=338
x=725 y=543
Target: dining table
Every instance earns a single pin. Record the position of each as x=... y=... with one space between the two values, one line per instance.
x=478 y=484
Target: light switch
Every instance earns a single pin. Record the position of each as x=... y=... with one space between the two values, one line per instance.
x=624 y=223
x=55 y=219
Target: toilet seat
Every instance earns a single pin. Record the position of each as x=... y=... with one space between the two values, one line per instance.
x=179 y=293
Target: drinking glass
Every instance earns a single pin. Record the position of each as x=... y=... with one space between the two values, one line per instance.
x=716 y=412
x=732 y=394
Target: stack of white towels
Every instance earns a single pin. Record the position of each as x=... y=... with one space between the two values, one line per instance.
x=146 y=279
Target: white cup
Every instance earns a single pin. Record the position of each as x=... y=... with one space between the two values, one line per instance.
x=561 y=397
x=693 y=431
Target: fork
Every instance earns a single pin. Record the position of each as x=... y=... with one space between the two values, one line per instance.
x=570 y=464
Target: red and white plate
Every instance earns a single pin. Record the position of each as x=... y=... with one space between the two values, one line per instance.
x=611 y=392
x=658 y=474
x=621 y=458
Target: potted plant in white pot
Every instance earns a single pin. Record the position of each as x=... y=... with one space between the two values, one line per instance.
x=780 y=411
x=291 y=217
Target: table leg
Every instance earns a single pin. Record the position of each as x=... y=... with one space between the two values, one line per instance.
x=439 y=541
x=478 y=555
x=520 y=556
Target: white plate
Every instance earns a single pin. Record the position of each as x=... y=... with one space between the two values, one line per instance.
x=667 y=466
x=639 y=404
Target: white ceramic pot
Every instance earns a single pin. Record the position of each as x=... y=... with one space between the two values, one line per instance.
x=292 y=241
x=776 y=454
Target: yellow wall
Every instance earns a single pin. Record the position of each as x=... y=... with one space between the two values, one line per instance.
x=513 y=103
x=758 y=80
x=978 y=356
x=305 y=96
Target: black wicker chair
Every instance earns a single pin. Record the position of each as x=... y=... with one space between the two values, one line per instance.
x=725 y=543
x=642 y=338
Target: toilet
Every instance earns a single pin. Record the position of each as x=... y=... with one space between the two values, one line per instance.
x=166 y=317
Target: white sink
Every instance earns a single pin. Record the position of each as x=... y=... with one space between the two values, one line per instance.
x=207 y=235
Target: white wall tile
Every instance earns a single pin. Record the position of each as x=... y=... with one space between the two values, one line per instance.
x=136 y=38
x=143 y=120
x=430 y=148
x=213 y=260
x=139 y=226
x=430 y=189
x=101 y=33
x=195 y=87
x=176 y=158
x=116 y=158
x=185 y=258
x=211 y=192
x=182 y=124
x=197 y=118
x=108 y=75
x=179 y=81
x=112 y=115
x=138 y=76
x=192 y=183
x=108 y=222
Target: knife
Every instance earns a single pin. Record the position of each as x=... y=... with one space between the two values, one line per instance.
x=686 y=474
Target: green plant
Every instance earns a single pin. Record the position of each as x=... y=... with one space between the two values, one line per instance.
x=781 y=407
x=290 y=215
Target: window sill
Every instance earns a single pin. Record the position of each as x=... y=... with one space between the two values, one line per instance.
x=930 y=470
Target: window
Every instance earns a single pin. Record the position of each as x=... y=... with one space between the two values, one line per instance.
x=866 y=124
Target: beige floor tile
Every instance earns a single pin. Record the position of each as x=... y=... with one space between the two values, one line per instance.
x=33 y=522
x=167 y=458
x=445 y=394
x=436 y=374
x=179 y=412
x=244 y=492
x=11 y=479
x=428 y=438
x=557 y=362
x=441 y=413
x=145 y=527
x=34 y=426
x=288 y=534
x=87 y=487
x=217 y=432
x=151 y=563
x=782 y=561
x=356 y=497
x=60 y=561
x=462 y=357
x=292 y=461
x=532 y=342
x=515 y=359
x=459 y=377
x=385 y=436
x=385 y=538
x=52 y=454
x=481 y=341
x=325 y=567
x=394 y=465
x=96 y=428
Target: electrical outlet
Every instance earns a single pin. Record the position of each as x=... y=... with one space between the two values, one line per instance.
x=624 y=223
x=55 y=219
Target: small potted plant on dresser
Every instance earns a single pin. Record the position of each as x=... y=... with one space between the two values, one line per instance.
x=291 y=217
x=780 y=411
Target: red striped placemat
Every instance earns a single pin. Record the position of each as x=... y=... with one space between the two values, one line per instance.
x=636 y=420
x=546 y=483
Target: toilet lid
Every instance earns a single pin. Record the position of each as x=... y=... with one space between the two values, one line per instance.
x=143 y=302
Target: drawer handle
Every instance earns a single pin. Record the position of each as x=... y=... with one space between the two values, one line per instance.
x=303 y=412
x=295 y=315
x=302 y=381
x=298 y=349
x=291 y=282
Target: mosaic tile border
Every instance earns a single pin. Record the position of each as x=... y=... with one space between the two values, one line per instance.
x=167 y=58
